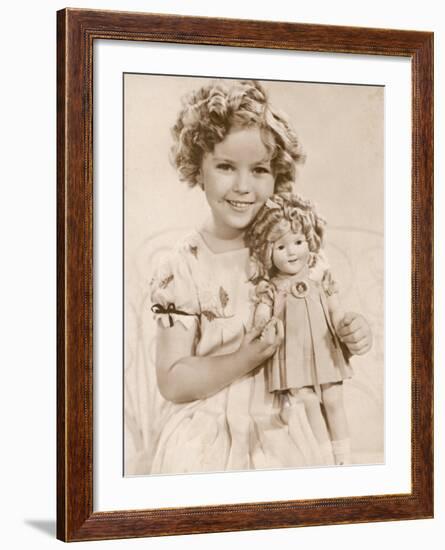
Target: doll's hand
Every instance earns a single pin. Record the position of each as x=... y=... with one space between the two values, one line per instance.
x=254 y=350
x=355 y=332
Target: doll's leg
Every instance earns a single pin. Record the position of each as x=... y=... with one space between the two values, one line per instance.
x=336 y=417
x=293 y=414
x=317 y=421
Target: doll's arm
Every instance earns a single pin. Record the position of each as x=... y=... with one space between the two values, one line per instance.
x=352 y=328
x=336 y=310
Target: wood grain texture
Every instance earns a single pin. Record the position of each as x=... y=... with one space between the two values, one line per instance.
x=61 y=363
x=76 y=32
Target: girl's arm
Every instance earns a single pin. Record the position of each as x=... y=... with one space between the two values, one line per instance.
x=184 y=377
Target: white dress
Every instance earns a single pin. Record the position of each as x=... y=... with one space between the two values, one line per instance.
x=238 y=428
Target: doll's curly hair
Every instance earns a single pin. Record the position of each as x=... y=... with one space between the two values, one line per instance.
x=210 y=112
x=280 y=214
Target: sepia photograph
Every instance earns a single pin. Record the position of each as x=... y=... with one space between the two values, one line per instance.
x=253 y=274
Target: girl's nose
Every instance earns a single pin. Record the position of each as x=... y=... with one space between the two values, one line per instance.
x=242 y=182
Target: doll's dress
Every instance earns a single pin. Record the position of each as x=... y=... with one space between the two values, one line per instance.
x=311 y=353
x=239 y=427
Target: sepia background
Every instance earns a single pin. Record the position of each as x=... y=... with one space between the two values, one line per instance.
x=341 y=130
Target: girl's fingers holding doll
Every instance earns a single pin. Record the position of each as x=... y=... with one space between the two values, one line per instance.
x=253 y=350
x=253 y=334
x=268 y=334
x=273 y=333
x=269 y=351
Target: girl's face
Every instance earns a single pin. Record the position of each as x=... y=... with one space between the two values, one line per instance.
x=237 y=180
x=290 y=253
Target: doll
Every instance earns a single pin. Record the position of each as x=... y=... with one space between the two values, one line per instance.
x=295 y=288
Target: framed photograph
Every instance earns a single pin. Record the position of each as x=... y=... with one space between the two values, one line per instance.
x=245 y=229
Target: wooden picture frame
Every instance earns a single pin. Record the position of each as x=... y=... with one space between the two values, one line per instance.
x=76 y=32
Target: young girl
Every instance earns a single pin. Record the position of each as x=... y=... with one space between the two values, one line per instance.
x=296 y=287
x=218 y=414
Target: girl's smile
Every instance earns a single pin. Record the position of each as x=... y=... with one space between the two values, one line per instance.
x=240 y=206
x=237 y=179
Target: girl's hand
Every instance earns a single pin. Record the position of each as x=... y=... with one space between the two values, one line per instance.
x=355 y=332
x=272 y=329
x=263 y=314
x=254 y=350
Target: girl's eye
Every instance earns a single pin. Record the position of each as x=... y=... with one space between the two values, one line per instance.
x=299 y=241
x=260 y=170
x=280 y=247
x=224 y=166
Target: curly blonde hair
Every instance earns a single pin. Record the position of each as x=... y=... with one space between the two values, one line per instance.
x=208 y=115
x=280 y=214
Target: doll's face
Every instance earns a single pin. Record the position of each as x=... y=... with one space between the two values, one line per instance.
x=237 y=180
x=290 y=253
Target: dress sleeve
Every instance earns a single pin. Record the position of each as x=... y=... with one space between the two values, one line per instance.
x=320 y=271
x=329 y=284
x=173 y=292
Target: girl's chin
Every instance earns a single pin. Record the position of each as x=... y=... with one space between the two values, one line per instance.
x=233 y=222
x=229 y=230
x=239 y=221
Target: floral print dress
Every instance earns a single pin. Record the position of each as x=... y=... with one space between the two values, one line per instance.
x=239 y=427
